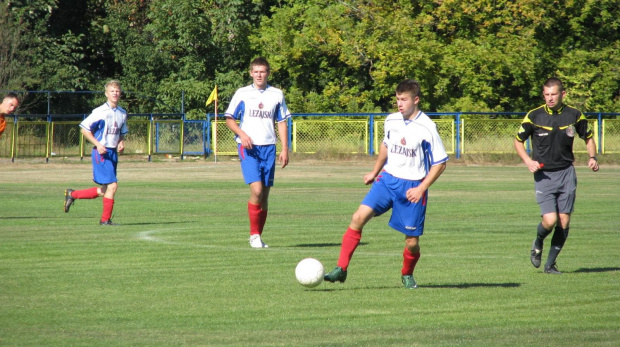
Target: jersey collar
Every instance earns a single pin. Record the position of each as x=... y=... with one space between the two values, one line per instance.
x=412 y=118
x=550 y=111
x=260 y=90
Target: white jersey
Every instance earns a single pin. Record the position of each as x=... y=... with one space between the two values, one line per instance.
x=257 y=110
x=413 y=146
x=107 y=124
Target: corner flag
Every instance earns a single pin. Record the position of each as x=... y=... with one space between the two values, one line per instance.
x=212 y=97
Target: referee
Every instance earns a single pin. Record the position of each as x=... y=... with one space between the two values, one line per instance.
x=552 y=128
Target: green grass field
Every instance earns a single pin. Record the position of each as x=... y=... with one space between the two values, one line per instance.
x=179 y=270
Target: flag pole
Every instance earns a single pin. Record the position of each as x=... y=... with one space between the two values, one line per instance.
x=212 y=98
x=215 y=132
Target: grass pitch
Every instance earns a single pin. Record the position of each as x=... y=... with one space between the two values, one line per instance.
x=179 y=270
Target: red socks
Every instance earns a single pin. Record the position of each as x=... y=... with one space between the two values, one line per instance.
x=108 y=206
x=350 y=241
x=258 y=217
x=254 y=213
x=409 y=262
x=92 y=193
x=262 y=218
x=89 y=193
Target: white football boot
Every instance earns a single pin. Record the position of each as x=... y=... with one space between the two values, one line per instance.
x=257 y=242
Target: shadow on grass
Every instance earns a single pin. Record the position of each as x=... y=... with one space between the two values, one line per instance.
x=597 y=269
x=153 y=223
x=324 y=245
x=473 y=285
x=28 y=217
x=339 y=287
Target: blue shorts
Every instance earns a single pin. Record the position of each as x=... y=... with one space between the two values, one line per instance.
x=390 y=192
x=104 y=166
x=258 y=164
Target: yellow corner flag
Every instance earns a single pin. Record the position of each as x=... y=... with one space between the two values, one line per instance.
x=212 y=97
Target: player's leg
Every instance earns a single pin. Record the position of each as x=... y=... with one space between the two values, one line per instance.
x=255 y=206
x=250 y=168
x=89 y=193
x=256 y=215
x=264 y=207
x=408 y=218
x=565 y=204
x=376 y=202
x=104 y=173
x=108 y=190
x=411 y=255
x=267 y=155
x=350 y=241
x=72 y=195
x=353 y=234
x=546 y=199
x=560 y=235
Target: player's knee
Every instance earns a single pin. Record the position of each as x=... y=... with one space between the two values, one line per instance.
x=412 y=244
x=549 y=220
x=359 y=219
x=110 y=189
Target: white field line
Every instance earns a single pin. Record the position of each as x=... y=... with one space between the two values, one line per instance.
x=151 y=236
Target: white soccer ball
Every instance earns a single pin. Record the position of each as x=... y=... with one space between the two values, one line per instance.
x=309 y=272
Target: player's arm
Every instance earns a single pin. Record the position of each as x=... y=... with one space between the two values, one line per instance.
x=379 y=164
x=283 y=134
x=591 y=147
x=532 y=165
x=121 y=143
x=415 y=194
x=246 y=141
x=91 y=138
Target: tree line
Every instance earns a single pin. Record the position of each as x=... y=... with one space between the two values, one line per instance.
x=328 y=56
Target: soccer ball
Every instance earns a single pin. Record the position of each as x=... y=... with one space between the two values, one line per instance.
x=309 y=272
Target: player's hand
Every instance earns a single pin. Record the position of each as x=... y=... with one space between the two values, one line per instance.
x=101 y=149
x=369 y=178
x=534 y=166
x=121 y=146
x=593 y=164
x=246 y=141
x=283 y=159
x=415 y=194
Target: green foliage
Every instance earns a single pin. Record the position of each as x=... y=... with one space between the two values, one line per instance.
x=13 y=60
x=328 y=56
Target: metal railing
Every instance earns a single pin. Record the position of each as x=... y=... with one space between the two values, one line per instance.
x=50 y=136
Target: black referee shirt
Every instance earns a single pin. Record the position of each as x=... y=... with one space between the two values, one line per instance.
x=552 y=134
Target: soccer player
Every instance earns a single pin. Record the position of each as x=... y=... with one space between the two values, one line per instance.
x=552 y=128
x=105 y=128
x=258 y=107
x=411 y=158
x=9 y=104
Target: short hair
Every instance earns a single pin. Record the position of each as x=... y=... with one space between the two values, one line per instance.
x=11 y=95
x=113 y=83
x=260 y=61
x=409 y=86
x=552 y=82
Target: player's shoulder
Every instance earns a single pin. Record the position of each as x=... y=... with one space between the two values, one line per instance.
x=540 y=110
x=422 y=117
x=394 y=116
x=247 y=88
x=572 y=110
x=277 y=92
x=273 y=89
x=100 y=108
x=244 y=91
